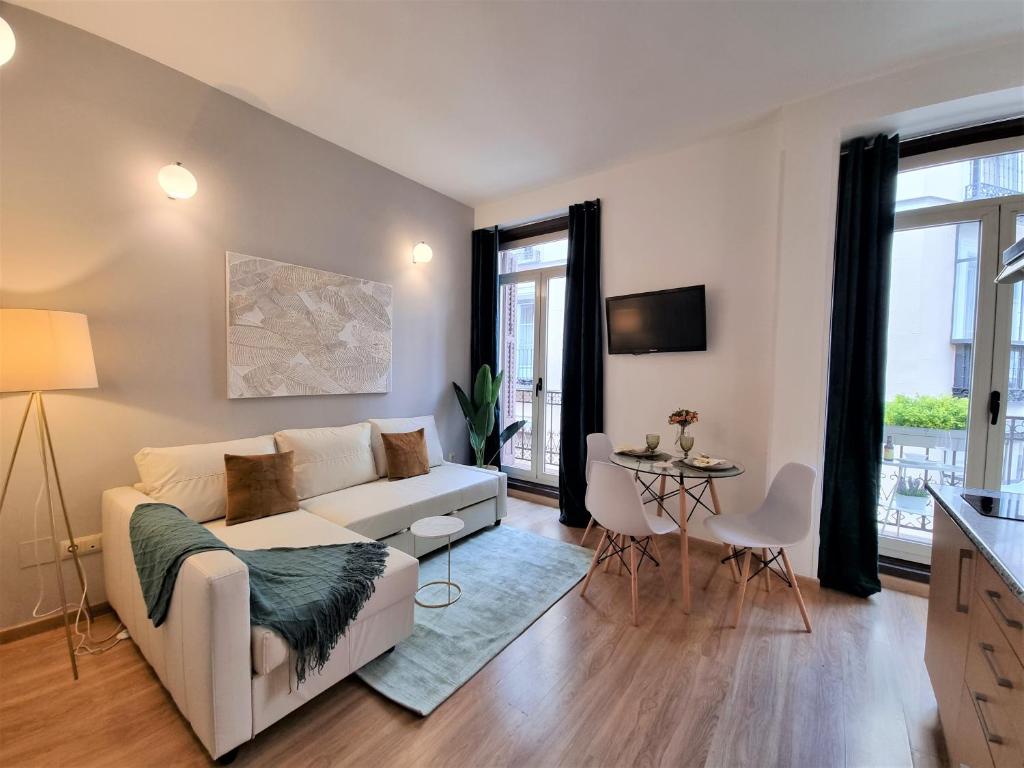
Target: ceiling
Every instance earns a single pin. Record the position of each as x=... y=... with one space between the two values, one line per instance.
x=483 y=99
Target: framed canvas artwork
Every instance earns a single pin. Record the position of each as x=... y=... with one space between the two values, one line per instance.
x=294 y=330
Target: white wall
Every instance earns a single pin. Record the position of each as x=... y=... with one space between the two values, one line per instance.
x=752 y=215
x=86 y=125
x=705 y=214
x=915 y=100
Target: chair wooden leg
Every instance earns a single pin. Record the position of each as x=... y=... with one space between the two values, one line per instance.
x=734 y=565
x=796 y=589
x=633 y=575
x=661 y=495
x=741 y=590
x=767 y=571
x=593 y=563
x=587 y=532
x=726 y=551
x=619 y=560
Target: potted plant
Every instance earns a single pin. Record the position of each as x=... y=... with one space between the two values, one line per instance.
x=479 y=413
x=910 y=494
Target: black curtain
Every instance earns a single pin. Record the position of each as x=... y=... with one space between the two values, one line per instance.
x=582 y=359
x=848 y=553
x=483 y=334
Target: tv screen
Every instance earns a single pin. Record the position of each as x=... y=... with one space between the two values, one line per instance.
x=659 y=321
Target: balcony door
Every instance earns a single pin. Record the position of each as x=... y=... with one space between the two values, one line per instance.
x=531 y=322
x=954 y=411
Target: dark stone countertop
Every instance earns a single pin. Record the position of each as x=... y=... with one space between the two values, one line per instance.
x=999 y=540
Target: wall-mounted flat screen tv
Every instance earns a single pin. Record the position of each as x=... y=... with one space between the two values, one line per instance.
x=659 y=321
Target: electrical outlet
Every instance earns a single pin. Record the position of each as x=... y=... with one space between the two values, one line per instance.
x=87 y=545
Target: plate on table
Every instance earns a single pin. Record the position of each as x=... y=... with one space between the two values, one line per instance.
x=708 y=463
x=639 y=453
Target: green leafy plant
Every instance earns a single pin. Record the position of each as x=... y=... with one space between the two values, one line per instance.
x=928 y=411
x=479 y=413
x=907 y=486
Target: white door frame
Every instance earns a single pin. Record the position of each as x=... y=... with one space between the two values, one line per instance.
x=540 y=277
x=991 y=346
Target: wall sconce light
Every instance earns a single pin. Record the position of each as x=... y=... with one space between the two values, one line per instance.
x=422 y=253
x=7 y=43
x=177 y=182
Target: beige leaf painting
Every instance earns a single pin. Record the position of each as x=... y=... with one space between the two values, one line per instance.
x=295 y=330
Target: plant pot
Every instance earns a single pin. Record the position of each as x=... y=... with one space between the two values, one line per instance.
x=911 y=503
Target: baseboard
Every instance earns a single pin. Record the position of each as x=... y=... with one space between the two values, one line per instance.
x=897 y=584
x=537 y=489
x=547 y=501
x=37 y=626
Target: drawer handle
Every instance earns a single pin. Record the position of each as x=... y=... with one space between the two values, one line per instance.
x=995 y=598
x=981 y=698
x=988 y=651
x=965 y=554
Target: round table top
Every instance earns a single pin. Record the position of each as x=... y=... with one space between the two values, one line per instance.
x=437 y=527
x=673 y=466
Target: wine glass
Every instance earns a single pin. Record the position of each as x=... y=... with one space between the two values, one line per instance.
x=653 y=441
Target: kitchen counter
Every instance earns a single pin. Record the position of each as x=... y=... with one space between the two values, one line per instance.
x=999 y=540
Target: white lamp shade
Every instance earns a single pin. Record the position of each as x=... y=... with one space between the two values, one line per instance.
x=422 y=253
x=177 y=181
x=7 y=43
x=41 y=349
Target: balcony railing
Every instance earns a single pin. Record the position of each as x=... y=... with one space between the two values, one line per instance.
x=519 y=452
x=935 y=456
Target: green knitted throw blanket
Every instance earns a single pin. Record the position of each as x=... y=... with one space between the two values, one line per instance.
x=308 y=595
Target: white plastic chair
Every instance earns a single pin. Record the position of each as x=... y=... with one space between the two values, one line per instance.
x=613 y=500
x=783 y=519
x=599 y=448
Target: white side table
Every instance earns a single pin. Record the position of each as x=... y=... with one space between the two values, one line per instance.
x=439 y=528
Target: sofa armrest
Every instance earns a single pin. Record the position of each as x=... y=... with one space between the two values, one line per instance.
x=501 y=500
x=202 y=651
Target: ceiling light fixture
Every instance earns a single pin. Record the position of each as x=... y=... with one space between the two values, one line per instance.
x=177 y=182
x=422 y=253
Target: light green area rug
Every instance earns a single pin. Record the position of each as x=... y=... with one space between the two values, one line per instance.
x=509 y=578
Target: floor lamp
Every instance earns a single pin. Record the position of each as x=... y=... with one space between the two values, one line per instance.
x=42 y=350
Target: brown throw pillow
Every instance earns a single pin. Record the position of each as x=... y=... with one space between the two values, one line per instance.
x=259 y=486
x=406 y=453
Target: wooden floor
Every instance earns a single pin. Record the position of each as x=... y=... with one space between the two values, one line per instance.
x=581 y=687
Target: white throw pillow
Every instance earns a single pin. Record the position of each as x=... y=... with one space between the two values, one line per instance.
x=410 y=424
x=329 y=458
x=191 y=477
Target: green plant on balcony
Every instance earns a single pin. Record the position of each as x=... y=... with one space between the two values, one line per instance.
x=479 y=413
x=943 y=412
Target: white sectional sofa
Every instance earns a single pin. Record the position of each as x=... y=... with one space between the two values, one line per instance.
x=231 y=680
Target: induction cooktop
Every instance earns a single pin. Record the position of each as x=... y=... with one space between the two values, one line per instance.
x=1007 y=507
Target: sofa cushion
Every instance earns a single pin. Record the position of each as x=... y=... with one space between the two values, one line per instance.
x=301 y=529
x=385 y=507
x=329 y=458
x=406 y=454
x=191 y=477
x=259 y=486
x=434 y=450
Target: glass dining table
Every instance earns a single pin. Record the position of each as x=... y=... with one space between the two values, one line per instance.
x=663 y=477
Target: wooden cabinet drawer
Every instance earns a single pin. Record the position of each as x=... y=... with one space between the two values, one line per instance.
x=969 y=746
x=1004 y=605
x=995 y=681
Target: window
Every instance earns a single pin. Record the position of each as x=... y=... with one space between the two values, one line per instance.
x=965 y=282
x=544 y=254
x=531 y=307
x=957 y=182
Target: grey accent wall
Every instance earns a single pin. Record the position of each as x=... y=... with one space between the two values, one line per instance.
x=84 y=127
